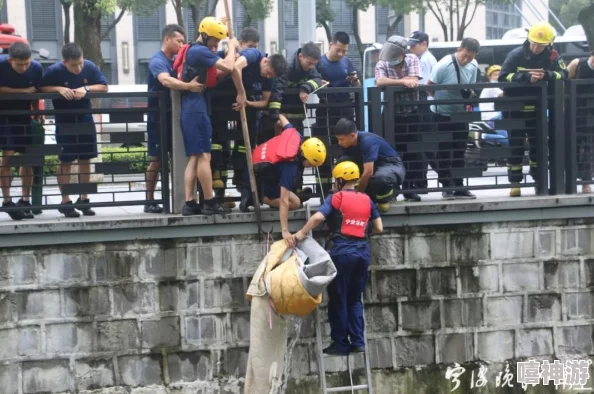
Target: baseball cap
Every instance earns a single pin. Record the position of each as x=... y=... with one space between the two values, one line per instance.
x=417 y=37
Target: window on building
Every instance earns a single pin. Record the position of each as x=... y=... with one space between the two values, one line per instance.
x=501 y=17
x=43 y=20
x=3 y=13
x=343 y=21
x=148 y=27
x=147 y=32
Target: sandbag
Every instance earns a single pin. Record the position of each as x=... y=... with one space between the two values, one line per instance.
x=295 y=282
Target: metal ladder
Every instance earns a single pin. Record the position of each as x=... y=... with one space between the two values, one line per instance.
x=320 y=353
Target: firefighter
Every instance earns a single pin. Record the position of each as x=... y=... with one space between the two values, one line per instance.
x=536 y=60
x=383 y=171
x=349 y=214
x=196 y=126
x=254 y=71
x=302 y=75
x=277 y=163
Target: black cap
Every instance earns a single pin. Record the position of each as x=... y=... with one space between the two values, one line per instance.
x=418 y=37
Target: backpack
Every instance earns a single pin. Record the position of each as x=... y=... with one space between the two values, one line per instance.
x=186 y=73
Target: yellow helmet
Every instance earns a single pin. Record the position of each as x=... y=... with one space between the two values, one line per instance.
x=213 y=27
x=492 y=69
x=541 y=33
x=314 y=151
x=346 y=170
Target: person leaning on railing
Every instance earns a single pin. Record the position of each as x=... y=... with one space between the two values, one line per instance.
x=397 y=68
x=18 y=75
x=161 y=78
x=584 y=69
x=536 y=60
x=73 y=78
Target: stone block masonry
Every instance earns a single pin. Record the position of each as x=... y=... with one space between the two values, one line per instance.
x=171 y=316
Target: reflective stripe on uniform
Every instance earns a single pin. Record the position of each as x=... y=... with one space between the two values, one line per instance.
x=514 y=168
x=382 y=196
x=313 y=84
x=510 y=76
x=216 y=147
x=274 y=105
x=533 y=163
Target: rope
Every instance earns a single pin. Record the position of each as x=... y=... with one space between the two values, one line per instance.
x=317 y=170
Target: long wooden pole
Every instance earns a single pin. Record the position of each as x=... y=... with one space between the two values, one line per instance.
x=246 y=138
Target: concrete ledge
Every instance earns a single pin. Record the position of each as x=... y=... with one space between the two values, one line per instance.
x=145 y=226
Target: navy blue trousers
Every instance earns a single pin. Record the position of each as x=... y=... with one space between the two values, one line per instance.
x=345 y=307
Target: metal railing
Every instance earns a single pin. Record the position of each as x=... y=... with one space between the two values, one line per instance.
x=461 y=152
x=118 y=173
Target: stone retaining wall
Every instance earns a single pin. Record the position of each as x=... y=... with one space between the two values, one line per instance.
x=172 y=317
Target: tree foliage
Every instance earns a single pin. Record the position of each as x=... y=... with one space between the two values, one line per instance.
x=324 y=16
x=197 y=8
x=88 y=15
x=567 y=11
x=255 y=10
x=401 y=8
x=356 y=6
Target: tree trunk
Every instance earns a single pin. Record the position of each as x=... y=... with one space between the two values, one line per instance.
x=451 y=18
x=213 y=9
x=195 y=9
x=87 y=30
x=177 y=4
x=327 y=30
x=393 y=26
x=356 y=32
x=66 y=6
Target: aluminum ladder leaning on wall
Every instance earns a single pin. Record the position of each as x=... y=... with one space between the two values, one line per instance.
x=320 y=353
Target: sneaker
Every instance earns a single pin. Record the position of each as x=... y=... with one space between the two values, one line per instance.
x=246 y=200
x=191 y=208
x=448 y=196
x=357 y=349
x=464 y=195
x=85 y=211
x=153 y=208
x=68 y=210
x=14 y=215
x=213 y=207
x=412 y=197
x=27 y=212
x=333 y=351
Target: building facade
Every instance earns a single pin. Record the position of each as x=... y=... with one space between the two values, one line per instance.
x=130 y=45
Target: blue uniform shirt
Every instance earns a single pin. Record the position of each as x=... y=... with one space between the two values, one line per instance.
x=11 y=79
x=159 y=64
x=336 y=74
x=58 y=75
x=198 y=56
x=250 y=75
x=371 y=148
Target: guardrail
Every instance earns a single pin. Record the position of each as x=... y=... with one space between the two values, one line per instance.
x=118 y=174
x=561 y=115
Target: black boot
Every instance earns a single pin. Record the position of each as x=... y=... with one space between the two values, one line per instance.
x=191 y=208
x=213 y=207
x=247 y=200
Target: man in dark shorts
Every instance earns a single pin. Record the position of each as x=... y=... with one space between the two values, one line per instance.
x=195 y=120
x=73 y=78
x=18 y=74
x=162 y=78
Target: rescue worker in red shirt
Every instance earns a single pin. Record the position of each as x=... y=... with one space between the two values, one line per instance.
x=349 y=214
x=277 y=164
